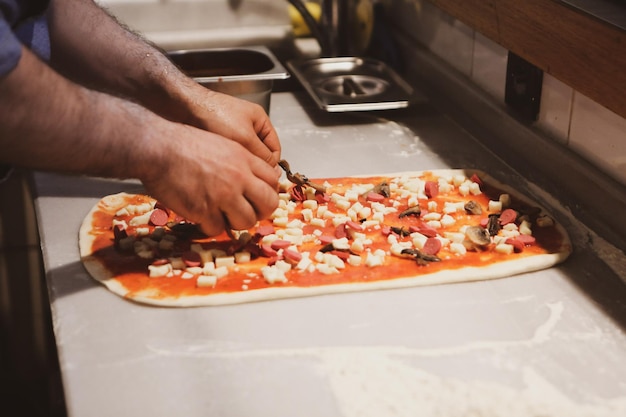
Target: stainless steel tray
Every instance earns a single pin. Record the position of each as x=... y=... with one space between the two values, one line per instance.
x=351 y=84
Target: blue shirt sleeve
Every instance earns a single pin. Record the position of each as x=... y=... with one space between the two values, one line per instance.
x=10 y=48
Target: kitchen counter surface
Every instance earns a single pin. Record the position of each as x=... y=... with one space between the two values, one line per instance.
x=549 y=343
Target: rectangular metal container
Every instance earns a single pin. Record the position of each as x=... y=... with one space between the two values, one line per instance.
x=245 y=72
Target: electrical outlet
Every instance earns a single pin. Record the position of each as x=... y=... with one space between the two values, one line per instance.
x=523 y=87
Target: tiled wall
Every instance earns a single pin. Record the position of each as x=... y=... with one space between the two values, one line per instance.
x=565 y=115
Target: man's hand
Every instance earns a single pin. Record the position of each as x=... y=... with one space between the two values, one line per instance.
x=117 y=61
x=209 y=179
x=237 y=119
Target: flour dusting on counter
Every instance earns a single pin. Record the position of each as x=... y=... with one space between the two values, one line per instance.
x=374 y=381
x=370 y=385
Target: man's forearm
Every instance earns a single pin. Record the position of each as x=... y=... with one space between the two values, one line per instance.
x=49 y=123
x=91 y=48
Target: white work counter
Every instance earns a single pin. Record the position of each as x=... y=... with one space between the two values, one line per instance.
x=549 y=343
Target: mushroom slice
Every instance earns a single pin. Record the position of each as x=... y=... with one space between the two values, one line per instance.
x=479 y=236
x=299 y=179
x=411 y=211
x=382 y=189
x=493 y=225
x=400 y=231
x=420 y=257
x=472 y=207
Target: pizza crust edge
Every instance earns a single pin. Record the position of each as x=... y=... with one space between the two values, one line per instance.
x=468 y=274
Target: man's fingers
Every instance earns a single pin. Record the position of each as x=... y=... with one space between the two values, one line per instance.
x=264 y=200
x=265 y=172
x=269 y=138
x=240 y=216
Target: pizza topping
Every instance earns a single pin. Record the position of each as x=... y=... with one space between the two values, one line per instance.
x=431 y=189
x=421 y=258
x=432 y=246
x=400 y=231
x=517 y=244
x=428 y=219
x=352 y=225
x=526 y=239
x=525 y=228
x=508 y=216
x=119 y=232
x=267 y=251
x=159 y=217
x=292 y=255
x=140 y=220
x=493 y=224
x=298 y=179
x=505 y=200
x=376 y=258
x=411 y=211
x=373 y=196
x=191 y=258
x=206 y=281
x=476 y=179
x=280 y=244
x=424 y=229
x=472 y=207
x=478 y=236
x=159 y=270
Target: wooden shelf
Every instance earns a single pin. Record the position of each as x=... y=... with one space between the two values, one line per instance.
x=577 y=48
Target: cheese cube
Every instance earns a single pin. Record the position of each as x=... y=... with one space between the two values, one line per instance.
x=455 y=237
x=122 y=212
x=224 y=261
x=283 y=266
x=326 y=269
x=310 y=204
x=458 y=248
x=374 y=259
x=352 y=195
x=196 y=270
x=318 y=222
x=354 y=260
x=494 y=206
x=242 y=257
x=221 y=272
x=365 y=212
x=341 y=243
x=333 y=261
x=140 y=220
x=206 y=281
x=307 y=214
x=419 y=239
x=447 y=220
x=475 y=188
x=431 y=216
x=525 y=228
x=280 y=221
x=142 y=231
x=504 y=248
x=159 y=270
x=458 y=179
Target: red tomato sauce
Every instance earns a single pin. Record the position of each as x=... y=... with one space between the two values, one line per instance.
x=131 y=271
